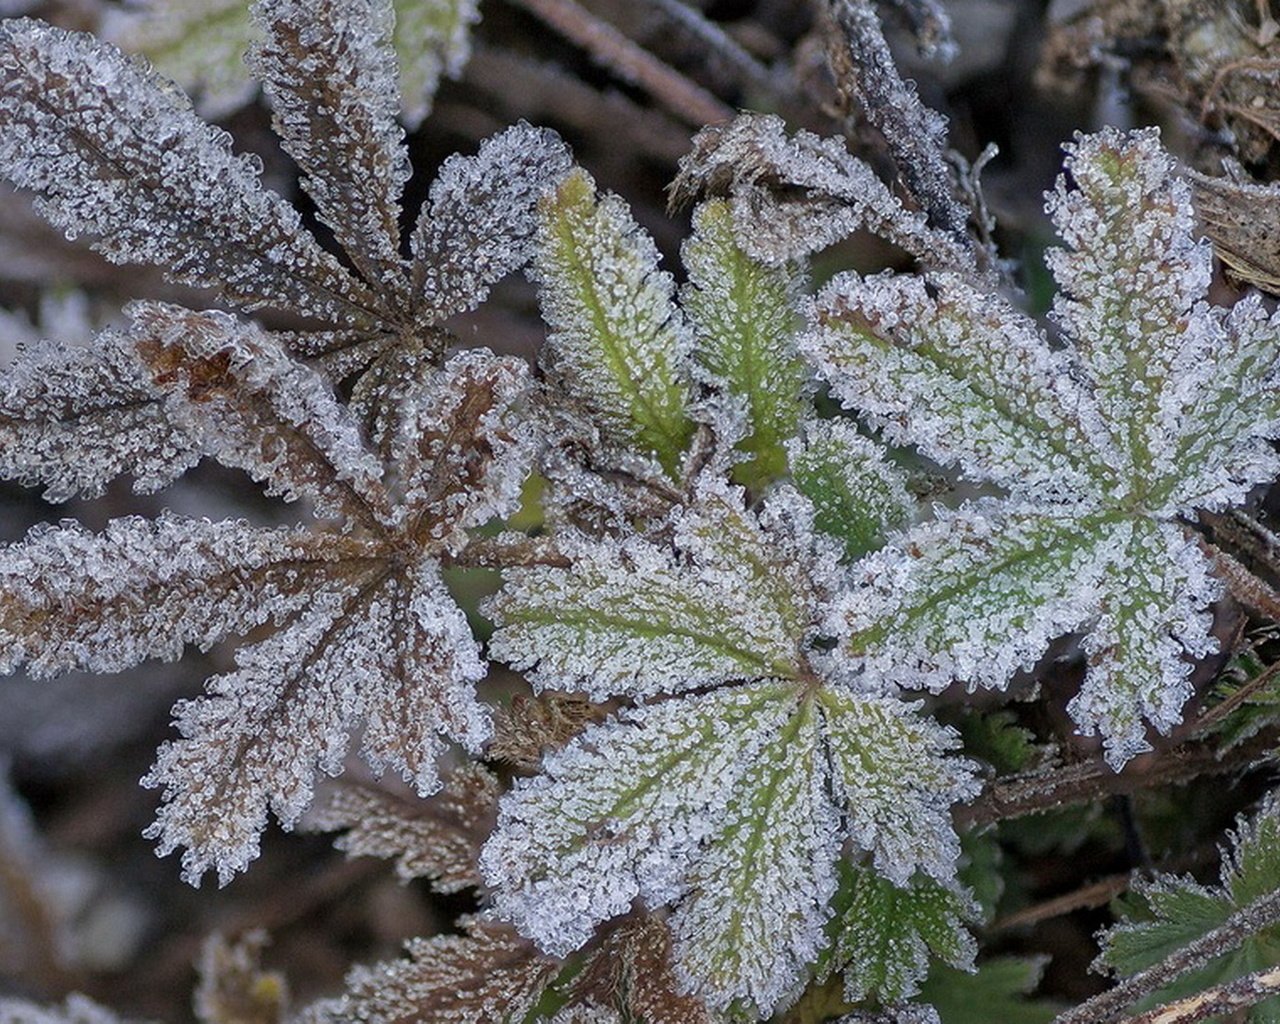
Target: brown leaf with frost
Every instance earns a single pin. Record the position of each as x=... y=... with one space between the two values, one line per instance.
x=532 y=726
x=234 y=988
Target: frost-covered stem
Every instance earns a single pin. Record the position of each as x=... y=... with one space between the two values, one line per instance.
x=508 y=550
x=865 y=70
x=1109 y=1006
x=629 y=61
x=1252 y=592
x=1048 y=788
x=724 y=46
x=1215 y=1002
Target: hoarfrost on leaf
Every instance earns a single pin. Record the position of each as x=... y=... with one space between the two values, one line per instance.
x=1157 y=405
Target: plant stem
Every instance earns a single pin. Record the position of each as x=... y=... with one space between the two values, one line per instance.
x=1215 y=1002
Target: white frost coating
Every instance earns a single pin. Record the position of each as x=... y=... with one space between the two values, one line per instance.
x=329 y=70
x=1158 y=405
x=464 y=446
x=393 y=651
x=841 y=193
x=113 y=150
x=145 y=588
x=77 y=1009
x=253 y=407
x=978 y=593
x=725 y=803
x=478 y=222
x=962 y=375
x=1154 y=618
x=617 y=341
x=731 y=600
x=74 y=418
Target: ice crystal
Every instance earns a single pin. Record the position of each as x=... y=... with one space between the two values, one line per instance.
x=733 y=803
x=1157 y=405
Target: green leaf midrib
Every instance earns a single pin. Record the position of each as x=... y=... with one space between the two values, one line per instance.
x=670 y=438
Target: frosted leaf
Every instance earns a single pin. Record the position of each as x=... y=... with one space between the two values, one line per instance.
x=145 y=588
x=388 y=649
x=744 y=318
x=485 y=975
x=725 y=804
x=1152 y=614
x=432 y=38
x=857 y=494
x=253 y=407
x=894 y=782
x=464 y=447
x=1158 y=404
x=631 y=616
x=438 y=838
x=113 y=150
x=200 y=44
x=617 y=342
x=793 y=196
x=77 y=1009
x=886 y=934
x=752 y=921
x=1226 y=413
x=1132 y=279
x=478 y=222
x=978 y=594
x=962 y=375
x=328 y=68
x=1164 y=914
x=75 y=418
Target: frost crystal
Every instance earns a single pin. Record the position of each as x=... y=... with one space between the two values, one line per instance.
x=1158 y=405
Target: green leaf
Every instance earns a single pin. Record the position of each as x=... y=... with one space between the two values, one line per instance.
x=885 y=934
x=998 y=739
x=733 y=805
x=1163 y=915
x=727 y=600
x=745 y=320
x=997 y=991
x=858 y=495
x=617 y=342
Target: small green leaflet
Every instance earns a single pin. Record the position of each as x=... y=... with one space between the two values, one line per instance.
x=1165 y=914
x=745 y=318
x=1158 y=405
x=996 y=991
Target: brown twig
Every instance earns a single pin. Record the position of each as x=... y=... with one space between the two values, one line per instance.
x=1093 y=895
x=1247 y=588
x=510 y=549
x=1047 y=788
x=1109 y=1006
x=629 y=61
x=1215 y=1002
x=1222 y=709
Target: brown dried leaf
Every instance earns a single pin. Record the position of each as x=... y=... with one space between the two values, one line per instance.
x=486 y=975
x=531 y=726
x=438 y=838
x=1242 y=219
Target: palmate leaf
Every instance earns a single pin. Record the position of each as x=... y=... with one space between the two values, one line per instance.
x=1158 y=405
x=722 y=802
x=201 y=44
x=617 y=341
x=113 y=150
x=1166 y=913
x=745 y=319
x=732 y=803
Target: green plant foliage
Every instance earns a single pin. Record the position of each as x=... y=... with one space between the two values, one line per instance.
x=996 y=991
x=1163 y=915
x=1158 y=405
x=745 y=319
